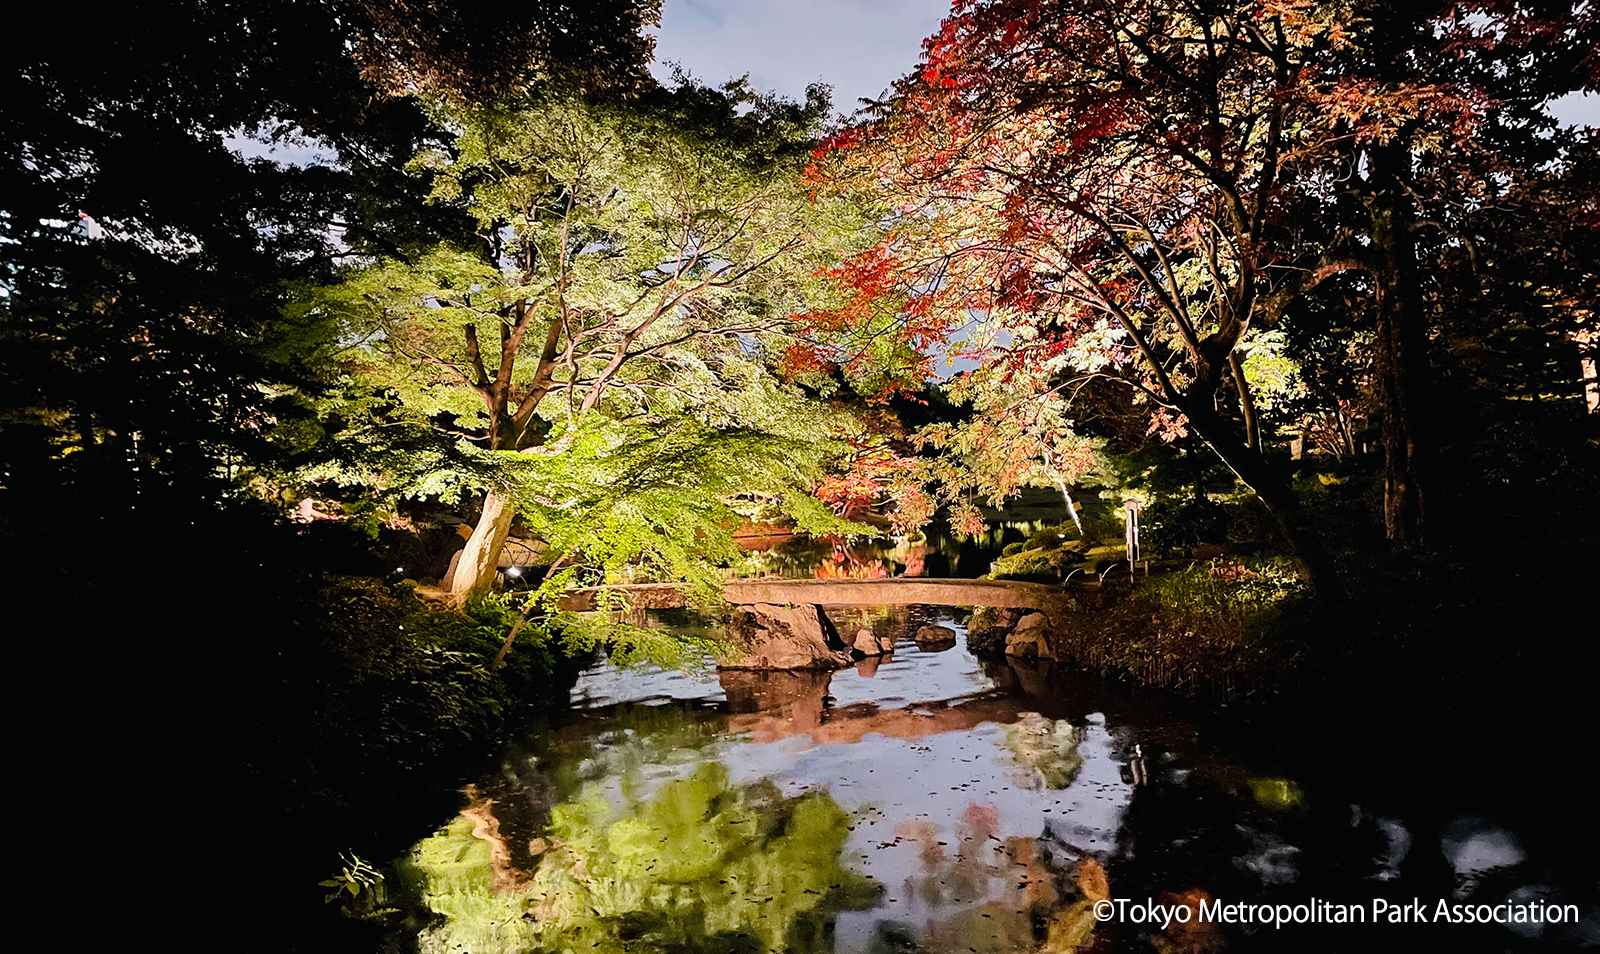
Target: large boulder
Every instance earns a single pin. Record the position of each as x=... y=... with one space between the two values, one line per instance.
x=988 y=628
x=1029 y=639
x=934 y=638
x=768 y=636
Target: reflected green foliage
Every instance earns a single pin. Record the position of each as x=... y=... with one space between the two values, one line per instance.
x=1277 y=793
x=1046 y=750
x=700 y=865
x=634 y=742
x=456 y=878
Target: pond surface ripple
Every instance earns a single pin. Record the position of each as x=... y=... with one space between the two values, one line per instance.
x=932 y=801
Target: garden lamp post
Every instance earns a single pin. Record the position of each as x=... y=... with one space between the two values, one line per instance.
x=1130 y=521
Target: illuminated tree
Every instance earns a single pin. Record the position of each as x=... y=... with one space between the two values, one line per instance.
x=143 y=260
x=1142 y=192
x=1090 y=189
x=636 y=274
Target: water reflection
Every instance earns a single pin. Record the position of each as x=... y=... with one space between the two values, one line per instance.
x=699 y=864
x=918 y=802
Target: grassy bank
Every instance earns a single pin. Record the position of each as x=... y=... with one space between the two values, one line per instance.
x=1448 y=629
x=1208 y=630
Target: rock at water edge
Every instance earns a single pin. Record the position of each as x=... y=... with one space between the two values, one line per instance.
x=767 y=636
x=1028 y=640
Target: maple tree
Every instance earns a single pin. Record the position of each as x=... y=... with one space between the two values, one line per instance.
x=144 y=259
x=1427 y=115
x=1089 y=190
x=1145 y=192
x=637 y=268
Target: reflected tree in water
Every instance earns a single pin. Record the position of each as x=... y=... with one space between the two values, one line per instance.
x=1015 y=894
x=702 y=864
x=1046 y=751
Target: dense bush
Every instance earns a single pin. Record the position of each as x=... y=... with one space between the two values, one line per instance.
x=1216 y=629
x=414 y=675
x=1240 y=599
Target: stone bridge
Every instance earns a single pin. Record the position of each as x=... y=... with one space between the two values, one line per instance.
x=1000 y=594
x=780 y=624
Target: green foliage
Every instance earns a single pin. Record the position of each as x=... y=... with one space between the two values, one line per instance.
x=1242 y=599
x=608 y=222
x=1214 y=628
x=701 y=864
x=358 y=888
x=1019 y=434
x=627 y=644
x=1046 y=750
x=1048 y=562
x=1060 y=536
x=413 y=676
x=605 y=355
x=663 y=503
x=355 y=877
x=1271 y=371
x=1279 y=794
x=1051 y=551
x=144 y=260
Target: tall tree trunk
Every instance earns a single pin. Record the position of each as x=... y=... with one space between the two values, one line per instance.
x=1274 y=491
x=1061 y=485
x=474 y=573
x=1402 y=339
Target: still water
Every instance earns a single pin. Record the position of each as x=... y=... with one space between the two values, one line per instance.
x=932 y=801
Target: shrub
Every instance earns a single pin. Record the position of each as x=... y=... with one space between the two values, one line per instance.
x=1241 y=599
x=1051 y=563
x=413 y=676
x=1193 y=629
x=1053 y=537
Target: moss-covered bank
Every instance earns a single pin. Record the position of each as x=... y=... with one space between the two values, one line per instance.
x=1424 y=629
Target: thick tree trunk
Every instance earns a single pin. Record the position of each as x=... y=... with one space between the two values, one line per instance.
x=474 y=573
x=1275 y=492
x=1402 y=340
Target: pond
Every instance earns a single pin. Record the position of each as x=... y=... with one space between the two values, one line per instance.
x=932 y=801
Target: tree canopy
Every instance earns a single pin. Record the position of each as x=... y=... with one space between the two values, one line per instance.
x=146 y=260
x=630 y=286
x=1144 y=193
